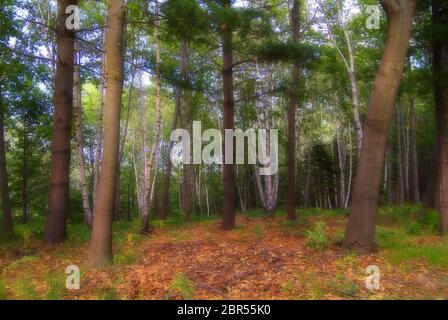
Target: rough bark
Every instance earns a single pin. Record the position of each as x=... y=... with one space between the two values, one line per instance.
x=100 y=252
x=360 y=232
x=58 y=199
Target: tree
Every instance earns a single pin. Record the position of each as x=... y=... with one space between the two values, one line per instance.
x=360 y=232
x=4 y=188
x=413 y=163
x=58 y=198
x=77 y=105
x=100 y=252
x=291 y=193
x=440 y=69
x=151 y=163
x=228 y=213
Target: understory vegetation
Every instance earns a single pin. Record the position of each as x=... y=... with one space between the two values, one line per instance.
x=407 y=254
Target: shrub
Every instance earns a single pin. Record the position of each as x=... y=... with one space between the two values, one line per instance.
x=317 y=238
x=386 y=238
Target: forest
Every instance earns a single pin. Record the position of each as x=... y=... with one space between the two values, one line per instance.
x=223 y=149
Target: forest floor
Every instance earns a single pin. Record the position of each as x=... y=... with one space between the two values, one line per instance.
x=263 y=258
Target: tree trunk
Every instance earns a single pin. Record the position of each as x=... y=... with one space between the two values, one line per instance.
x=4 y=188
x=58 y=200
x=187 y=186
x=25 y=216
x=151 y=164
x=291 y=191
x=360 y=232
x=77 y=106
x=430 y=198
x=440 y=65
x=169 y=164
x=100 y=252
x=413 y=181
x=228 y=214
x=99 y=129
x=400 y=179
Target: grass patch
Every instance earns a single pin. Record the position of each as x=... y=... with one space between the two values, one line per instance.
x=181 y=287
x=22 y=261
x=259 y=232
x=24 y=289
x=317 y=237
x=3 y=295
x=78 y=233
x=390 y=238
x=124 y=259
x=434 y=255
x=55 y=286
x=107 y=294
x=344 y=286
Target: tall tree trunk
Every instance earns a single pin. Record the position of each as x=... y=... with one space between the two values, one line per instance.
x=349 y=63
x=77 y=106
x=100 y=252
x=360 y=232
x=291 y=191
x=440 y=65
x=187 y=186
x=25 y=216
x=430 y=199
x=414 y=181
x=4 y=188
x=58 y=199
x=99 y=129
x=400 y=179
x=169 y=164
x=151 y=163
x=350 y=167
x=228 y=213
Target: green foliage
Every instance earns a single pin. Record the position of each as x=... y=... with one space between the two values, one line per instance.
x=317 y=237
x=78 y=233
x=390 y=238
x=24 y=289
x=3 y=295
x=259 y=231
x=181 y=286
x=109 y=293
x=435 y=255
x=344 y=286
x=286 y=51
x=125 y=258
x=55 y=286
x=411 y=218
x=25 y=260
